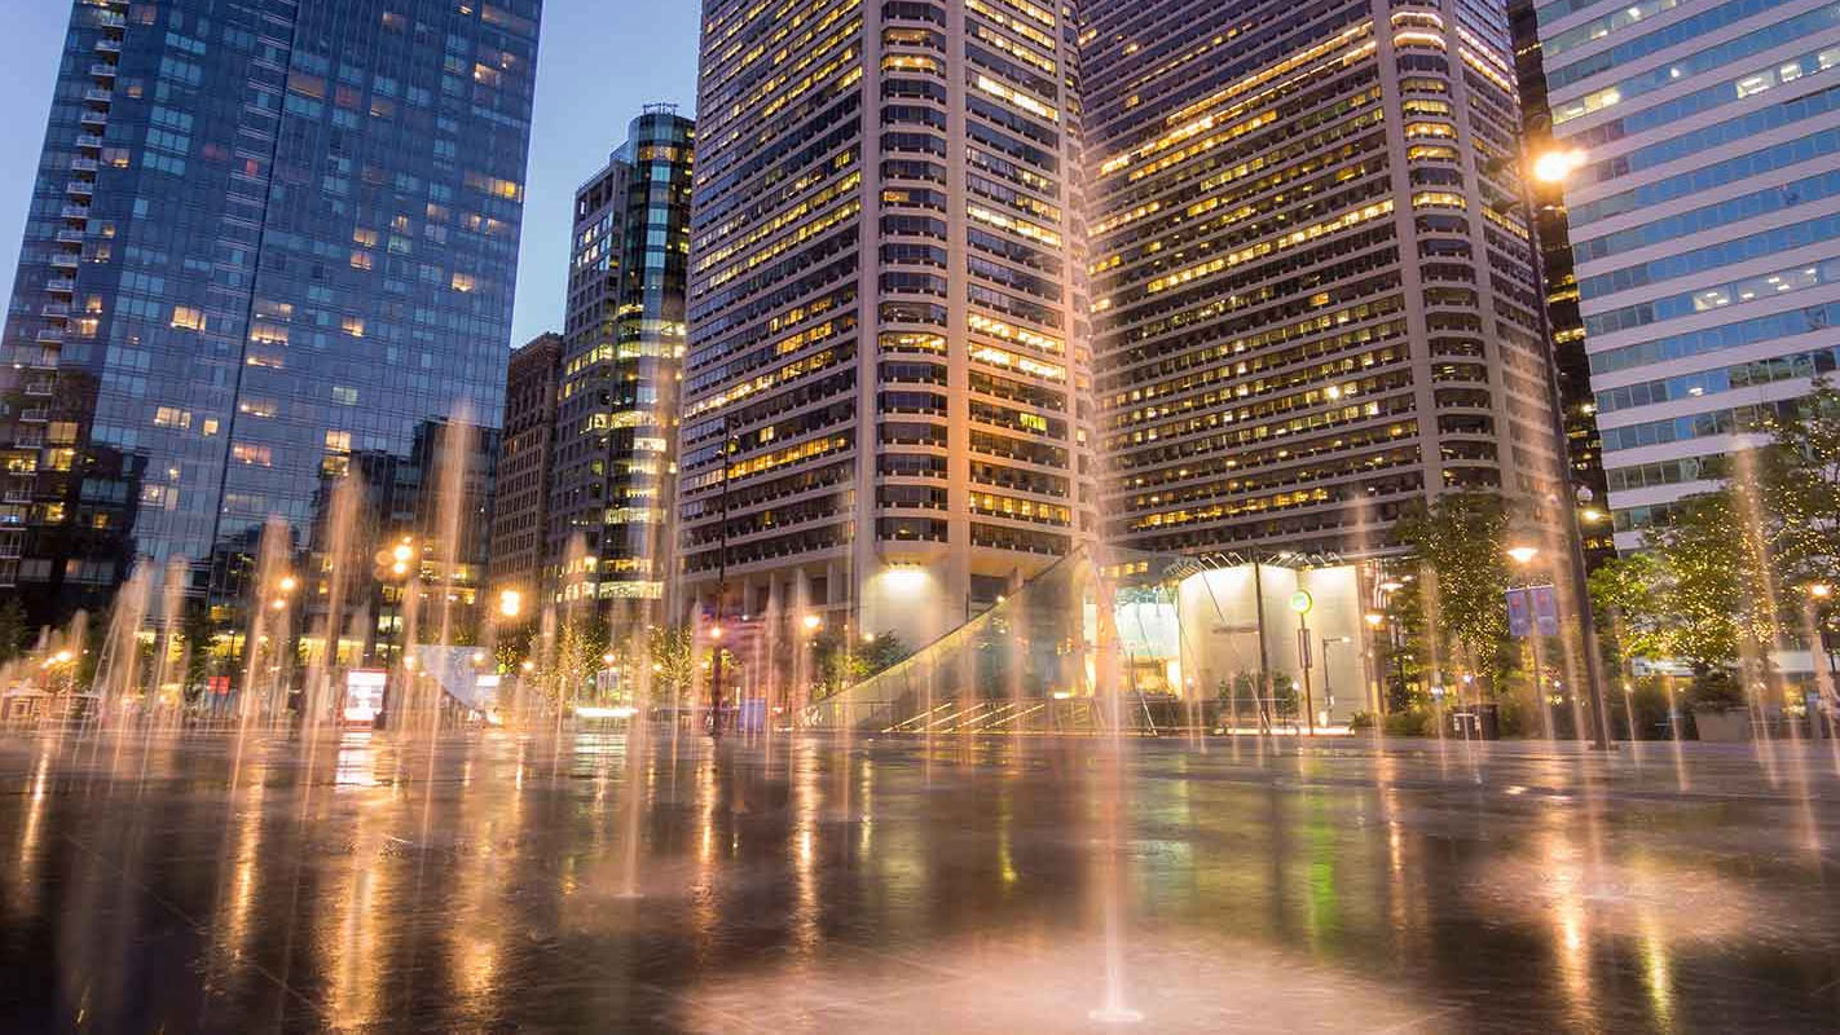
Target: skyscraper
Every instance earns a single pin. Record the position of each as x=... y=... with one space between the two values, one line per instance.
x=882 y=426
x=1313 y=288
x=266 y=237
x=622 y=359
x=520 y=509
x=1704 y=212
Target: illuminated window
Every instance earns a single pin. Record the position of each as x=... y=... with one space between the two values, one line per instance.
x=186 y=318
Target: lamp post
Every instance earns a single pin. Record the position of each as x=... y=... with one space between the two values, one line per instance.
x=1523 y=557
x=397 y=571
x=1303 y=604
x=1374 y=621
x=729 y=442
x=1553 y=168
x=1817 y=595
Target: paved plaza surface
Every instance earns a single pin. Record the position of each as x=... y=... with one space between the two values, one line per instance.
x=498 y=882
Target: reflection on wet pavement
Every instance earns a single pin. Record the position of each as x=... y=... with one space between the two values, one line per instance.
x=188 y=883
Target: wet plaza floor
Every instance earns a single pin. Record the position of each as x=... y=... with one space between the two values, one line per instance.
x=495 y=882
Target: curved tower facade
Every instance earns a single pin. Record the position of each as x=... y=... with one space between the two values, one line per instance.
x=1313 y=285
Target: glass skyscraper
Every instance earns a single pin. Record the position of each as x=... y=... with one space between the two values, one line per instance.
x=623 y=351
x=269 y=240
x=1705 y=224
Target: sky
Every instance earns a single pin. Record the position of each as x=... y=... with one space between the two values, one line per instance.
x=600 y=62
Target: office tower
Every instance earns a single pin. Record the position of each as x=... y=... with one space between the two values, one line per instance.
x=880 y=421
x=622 y=357
x=1704 y=211
x=1312 y=283
x=266 y=238
x=520 y=510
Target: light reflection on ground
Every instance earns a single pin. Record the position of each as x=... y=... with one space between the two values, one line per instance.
x=484 y=883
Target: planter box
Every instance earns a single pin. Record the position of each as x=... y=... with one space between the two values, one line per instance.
x=1723 y=726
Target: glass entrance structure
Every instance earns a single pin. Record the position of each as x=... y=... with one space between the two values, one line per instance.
x=1150 y=642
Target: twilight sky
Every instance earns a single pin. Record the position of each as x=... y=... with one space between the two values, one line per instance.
x=600 y=61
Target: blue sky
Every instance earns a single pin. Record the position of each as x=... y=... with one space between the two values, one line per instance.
x=600 y=61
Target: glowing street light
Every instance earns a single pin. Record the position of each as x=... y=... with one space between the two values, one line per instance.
x=1557 y=166
x=1374 y=619
x=289 y=583
x=1820 y=591
x=510 y=603
x=813 y=623
x=715 y=632
x=1523 y=555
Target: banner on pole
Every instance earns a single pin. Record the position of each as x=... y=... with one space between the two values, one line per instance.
x=1520 y=614
x=1533 y=610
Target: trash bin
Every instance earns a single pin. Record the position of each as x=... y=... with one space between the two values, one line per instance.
x=1480 y=722
x=1489 y=716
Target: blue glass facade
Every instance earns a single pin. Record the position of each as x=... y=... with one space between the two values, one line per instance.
x=1706 y=133
x=270 y=240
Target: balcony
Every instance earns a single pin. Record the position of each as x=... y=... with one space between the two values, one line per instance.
x=54 y=311
x=103 y=71
x=17 y=495
x=35 y=415
x=82 y=189
x=108 y=46
x=95 y=119
x=97 y=95
x=64 y=261
x=41 y=389
x=83 y=165
x=61 y=286
x=50 y=336
x=111 y=20
x=70 y=237
x=74 y=212
x=89 y=141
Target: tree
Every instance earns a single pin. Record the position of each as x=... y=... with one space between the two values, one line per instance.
x=1699 y=591
x=513 y=646
x=837 y=666
x=1796 y=478
x=673 y=651
x=15 y=628
x=1459 y=543
x=879 y=655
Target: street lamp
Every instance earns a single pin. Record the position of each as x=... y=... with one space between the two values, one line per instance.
x=1819 y=593
x=510 y=603
x=1552 y=168
x=1558 y=166
x=812 y=623
x=1523 y=555
x=1303 y=604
